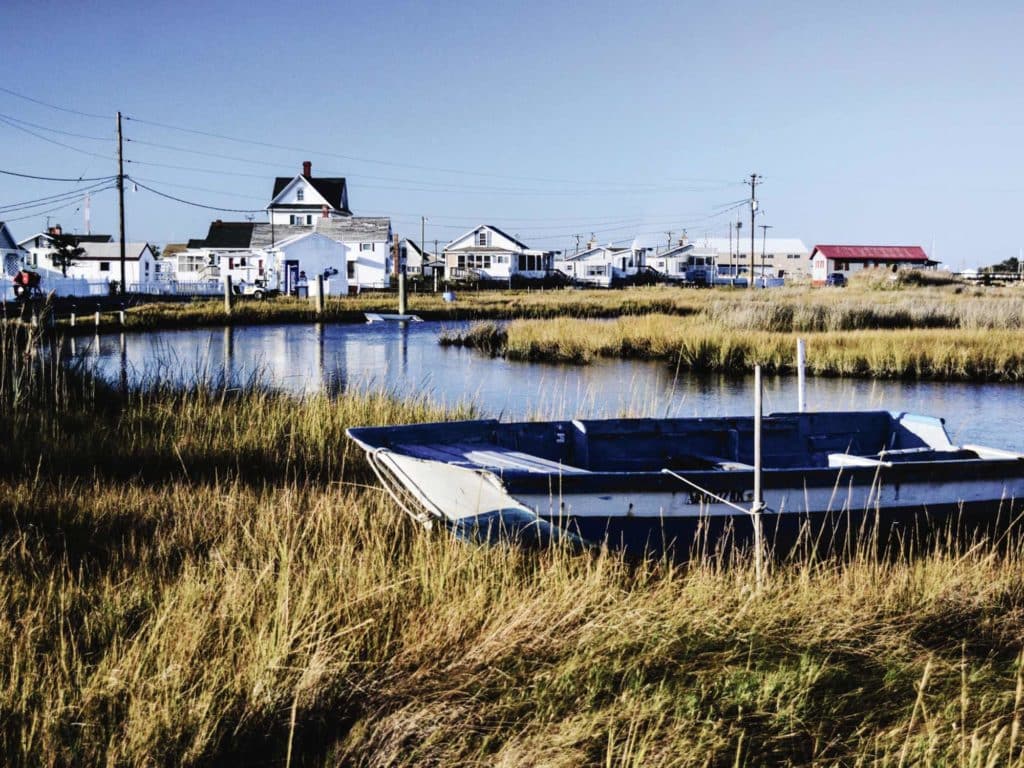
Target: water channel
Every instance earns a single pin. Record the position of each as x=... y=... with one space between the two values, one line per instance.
x=408 y=361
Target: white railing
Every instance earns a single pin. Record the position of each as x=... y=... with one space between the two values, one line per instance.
x=178 y=288
x=62 y=286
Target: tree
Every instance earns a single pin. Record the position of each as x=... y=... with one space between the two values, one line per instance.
x=65 y=250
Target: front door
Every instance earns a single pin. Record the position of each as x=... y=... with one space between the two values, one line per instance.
x=291 y=275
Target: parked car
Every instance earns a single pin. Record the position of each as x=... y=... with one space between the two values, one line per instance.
x=838 y=279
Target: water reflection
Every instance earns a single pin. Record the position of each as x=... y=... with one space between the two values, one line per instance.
x=409 y=361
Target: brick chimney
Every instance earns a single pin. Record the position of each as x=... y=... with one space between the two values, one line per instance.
x=307 y=168
x=325 y=212
x=56 y=230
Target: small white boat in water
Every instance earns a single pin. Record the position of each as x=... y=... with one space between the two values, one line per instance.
x=377 y=317
x=653 y=486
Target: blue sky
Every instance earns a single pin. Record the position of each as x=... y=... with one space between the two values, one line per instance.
x=871 y=123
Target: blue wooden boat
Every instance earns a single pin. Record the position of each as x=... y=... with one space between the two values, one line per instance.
x=654 y=486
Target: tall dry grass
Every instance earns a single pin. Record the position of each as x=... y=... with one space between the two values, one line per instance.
x=205 y=577
x=699 y=344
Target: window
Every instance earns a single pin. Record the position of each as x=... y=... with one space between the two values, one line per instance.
x=300 y=194
x=351 y=270
x=595 y=270
x=366 y=246
x=481 y=238
x=231 y=262
x=104 y=266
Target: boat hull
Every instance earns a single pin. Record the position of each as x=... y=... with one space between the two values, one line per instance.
x=654 y=514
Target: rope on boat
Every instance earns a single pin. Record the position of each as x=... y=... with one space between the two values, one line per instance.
x=372 y=459
x=714 y=496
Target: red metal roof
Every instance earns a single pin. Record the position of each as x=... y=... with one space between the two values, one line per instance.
x=888 y=253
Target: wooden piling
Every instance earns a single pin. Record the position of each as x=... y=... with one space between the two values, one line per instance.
x=228 y=295
x=319 y=295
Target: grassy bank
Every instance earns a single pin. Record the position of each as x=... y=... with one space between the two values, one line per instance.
x=700 y=344
x=870 y=303
x=207 y=577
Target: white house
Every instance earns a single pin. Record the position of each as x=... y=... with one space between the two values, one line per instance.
x=39 y=245
x=305 y=256
x=846 y=259
x=416 y=262
x=12 y=256
x=672 y=263
x=603 y=265
x=300 y=199
x=488 y=253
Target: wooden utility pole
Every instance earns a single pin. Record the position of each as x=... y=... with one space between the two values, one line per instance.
x=120 y=196
x=754 y=179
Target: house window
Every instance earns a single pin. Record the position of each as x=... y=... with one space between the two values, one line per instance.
x=481 y=238
x=366 y=246
x=522 y=262
x=104 y=266
x=351 y=270
x=300 y=194
x=231 y=262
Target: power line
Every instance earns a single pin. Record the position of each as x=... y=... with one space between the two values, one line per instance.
x=57 y=130
x=53 y=106
x=55 y=178
x=50 y=198
x=354 y=158
x=52 y=141
x=192 y=203
x=52 y=210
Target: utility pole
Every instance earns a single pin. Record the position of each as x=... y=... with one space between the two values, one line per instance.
x=423 y=241
x=754 y=180
x=120 y=196
x=764 y=241
x=578 y=243
x=669 y=233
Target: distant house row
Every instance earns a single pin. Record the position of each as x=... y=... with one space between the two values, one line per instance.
x=311 y=232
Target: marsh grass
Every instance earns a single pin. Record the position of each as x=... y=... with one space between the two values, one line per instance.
x=696 y=344
x=205 y=577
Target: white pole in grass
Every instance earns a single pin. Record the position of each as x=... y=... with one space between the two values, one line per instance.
x=758 y=504
x=801 y=375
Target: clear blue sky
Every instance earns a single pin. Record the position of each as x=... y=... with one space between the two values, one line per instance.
x=871 y=123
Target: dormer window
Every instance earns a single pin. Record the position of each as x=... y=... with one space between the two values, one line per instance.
x=300 y=194
x=481 y=238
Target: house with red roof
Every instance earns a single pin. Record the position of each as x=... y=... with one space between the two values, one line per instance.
x=847 y=259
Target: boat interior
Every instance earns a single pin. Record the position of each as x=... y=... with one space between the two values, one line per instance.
x=789 y=441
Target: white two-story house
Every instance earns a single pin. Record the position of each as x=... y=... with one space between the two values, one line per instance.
x=301 y=199
x=299 y=206
x=487 y=253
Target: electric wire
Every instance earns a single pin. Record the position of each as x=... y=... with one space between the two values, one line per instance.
x=51 y=198
x=195 y=204
x=52 y=141
x=56 y=178
x=56 y=130
x=54 y=106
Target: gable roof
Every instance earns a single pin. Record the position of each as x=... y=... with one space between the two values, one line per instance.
x=677 y=250
x=887 y=253
x=112 y=251
x=332 y=188
x=491 y=227
x=78 y=239
x=7 y=239
x=226 y=234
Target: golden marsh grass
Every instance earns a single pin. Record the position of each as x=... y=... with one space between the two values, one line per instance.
x=206 y=577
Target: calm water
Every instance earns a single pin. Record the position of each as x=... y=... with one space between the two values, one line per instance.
x=340 y=358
